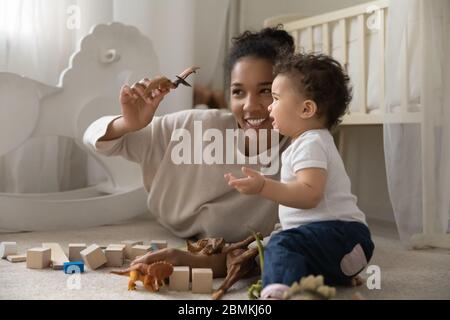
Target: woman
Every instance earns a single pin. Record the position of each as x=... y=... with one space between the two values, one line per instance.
x=192 y=200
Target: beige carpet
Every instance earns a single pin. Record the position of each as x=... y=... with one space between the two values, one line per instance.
x=404 y=274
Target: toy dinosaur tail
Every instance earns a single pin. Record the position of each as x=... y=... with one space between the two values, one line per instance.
x=121 y=273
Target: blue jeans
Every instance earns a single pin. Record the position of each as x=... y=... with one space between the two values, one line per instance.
x=338 y=250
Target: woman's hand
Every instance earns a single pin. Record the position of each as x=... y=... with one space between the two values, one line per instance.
x=252 y=184
x=138 y=109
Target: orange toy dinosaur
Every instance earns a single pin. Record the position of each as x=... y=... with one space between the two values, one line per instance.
x=151 y=275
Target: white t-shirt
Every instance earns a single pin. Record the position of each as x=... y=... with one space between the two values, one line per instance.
x=316 y=149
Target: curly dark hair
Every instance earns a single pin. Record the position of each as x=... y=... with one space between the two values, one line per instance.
x=267 y=44
x=321 y=79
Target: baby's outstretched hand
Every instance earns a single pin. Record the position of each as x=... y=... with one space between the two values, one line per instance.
x=252 y=184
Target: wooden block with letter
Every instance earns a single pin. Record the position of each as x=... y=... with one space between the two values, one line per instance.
x=17 y=258
x=179 y=279
x=74 y=251
x=93 y=257
x=7 y=249
x=202 y=280
x=139 y=250
x=158 y=244
x=58 y=257
x=115 y=255
x=38 y=258
x=129 y=245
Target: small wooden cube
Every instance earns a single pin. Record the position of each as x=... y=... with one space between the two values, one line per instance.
x=158 y=244
x=38 y=258
x=74 y=251
x=129 y=245
x=179 y=279
x=115 y=255
x=202 y=280
x=139 y=250
x=17 y=258
x=93 y=257
x=7 y=249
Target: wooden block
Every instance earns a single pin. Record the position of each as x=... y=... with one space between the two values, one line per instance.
x=8 y=249
x=74 y=251
x=129 y=245
x=115 y=255
x=17 y=258
x=93 y=257
x=58 y=257
x=179 y=279
x=39 y=258
x=158 y=244
x=139 y=250
x=202 y=280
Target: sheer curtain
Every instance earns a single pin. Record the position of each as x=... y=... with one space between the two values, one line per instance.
x=35 y=42
x=418 y=155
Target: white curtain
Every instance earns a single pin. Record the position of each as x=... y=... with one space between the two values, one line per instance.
x=418 y=155
x=35 y=42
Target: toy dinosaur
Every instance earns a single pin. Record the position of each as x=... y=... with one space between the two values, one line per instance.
x=207 y=246
x=310 y=288
x=151 y=275
x=239 y=259
x=165 y=83
x=254 y=292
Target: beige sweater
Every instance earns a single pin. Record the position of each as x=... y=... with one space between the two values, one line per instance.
x=190 y=200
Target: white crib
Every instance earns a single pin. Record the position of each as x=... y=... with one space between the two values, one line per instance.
x=356 y=37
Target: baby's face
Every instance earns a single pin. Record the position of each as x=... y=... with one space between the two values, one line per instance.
x=286 y=106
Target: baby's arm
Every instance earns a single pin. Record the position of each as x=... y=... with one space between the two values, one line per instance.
x=304 y=193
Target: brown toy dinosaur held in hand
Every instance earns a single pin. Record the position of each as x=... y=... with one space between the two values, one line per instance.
x=164 y=83
x=151 y=275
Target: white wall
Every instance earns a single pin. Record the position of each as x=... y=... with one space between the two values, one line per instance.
x=364 y=157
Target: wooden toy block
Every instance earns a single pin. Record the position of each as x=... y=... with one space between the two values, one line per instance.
x=120 y=245
x=73 y=267
x=158 y=244
x=17 y=258
x=202 y=280
x=74 y=251
x=115 y=255
x=39 y=258
x=129 y=245
x=93 y=257
x=179 y=279
x=139 y=250
x=58 y=257
x=7 y=249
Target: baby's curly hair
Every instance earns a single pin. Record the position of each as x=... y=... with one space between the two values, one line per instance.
x=321 y=79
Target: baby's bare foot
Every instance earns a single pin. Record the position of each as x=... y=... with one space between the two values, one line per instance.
x=356 y=281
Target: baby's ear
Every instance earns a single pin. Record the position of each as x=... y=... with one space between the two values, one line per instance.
x=308 y=109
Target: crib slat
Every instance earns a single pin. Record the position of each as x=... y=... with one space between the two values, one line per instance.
x=404 y=74
x=343 y=40
x=310 y=40
x=295 y=35
x=326 y=39
x=382 y=46
x=362 y=67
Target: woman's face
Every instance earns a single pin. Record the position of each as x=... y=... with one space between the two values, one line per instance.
x=251 y=83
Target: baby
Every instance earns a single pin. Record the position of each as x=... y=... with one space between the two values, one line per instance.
x=323 y=230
